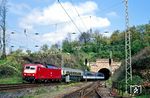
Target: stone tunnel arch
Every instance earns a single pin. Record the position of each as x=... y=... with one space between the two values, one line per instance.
x=106 y=72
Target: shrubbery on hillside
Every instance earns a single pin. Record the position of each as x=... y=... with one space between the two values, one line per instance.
x=140 y=62
x=8 y=71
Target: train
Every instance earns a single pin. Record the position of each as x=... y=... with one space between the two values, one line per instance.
x=49 y=72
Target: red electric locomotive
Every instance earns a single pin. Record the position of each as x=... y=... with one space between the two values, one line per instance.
x=47 y=72
x=40 y=72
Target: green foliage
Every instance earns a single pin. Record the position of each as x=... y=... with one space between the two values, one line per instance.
x=143 y=96
x=12 y=65
x=11 y=80
x=140 y=66
x=95 y=45
x=10 y=68
x=67 y=46
x=7 y=71
x=136 y=80
x=143 y=63
x=136 y=46
x=44 y=47
x=85 y=37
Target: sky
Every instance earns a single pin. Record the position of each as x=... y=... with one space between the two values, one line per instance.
x=49 y=20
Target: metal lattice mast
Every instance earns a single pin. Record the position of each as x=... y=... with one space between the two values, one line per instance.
x=127 y=48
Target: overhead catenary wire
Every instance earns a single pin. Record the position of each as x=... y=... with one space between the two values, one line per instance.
x=16 y=45
x=113 y=6
x=14 y=42
x=103 y=10
x=69 y=16
x=64 y=22
x=19 y=45
x=26 y=35
x=28 y=38
x=79 y=16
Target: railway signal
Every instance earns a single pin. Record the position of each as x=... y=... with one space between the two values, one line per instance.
x=86 y=61
x=109 y=61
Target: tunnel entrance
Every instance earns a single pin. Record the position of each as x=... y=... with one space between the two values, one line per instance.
x=106 y=72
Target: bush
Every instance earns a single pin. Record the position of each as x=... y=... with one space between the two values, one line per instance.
x=121 y=85
x=7 y=71
x=136 y=80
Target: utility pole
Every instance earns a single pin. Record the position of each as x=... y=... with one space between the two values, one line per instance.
x=128 y=66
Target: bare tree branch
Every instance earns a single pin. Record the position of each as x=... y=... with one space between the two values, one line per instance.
x=3 y=13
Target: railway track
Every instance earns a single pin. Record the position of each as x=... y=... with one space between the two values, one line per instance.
x=8 y=87
x=90 y=91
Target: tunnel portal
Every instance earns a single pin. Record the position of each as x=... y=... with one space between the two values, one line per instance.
x=106 y=72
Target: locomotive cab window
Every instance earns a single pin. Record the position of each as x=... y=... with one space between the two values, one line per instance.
x=30 y=67
x=27 y=67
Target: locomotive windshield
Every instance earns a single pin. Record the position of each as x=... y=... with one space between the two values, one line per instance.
x=27 y=67
x=30 y=69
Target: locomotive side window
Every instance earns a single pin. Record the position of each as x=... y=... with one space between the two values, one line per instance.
x=32 y=68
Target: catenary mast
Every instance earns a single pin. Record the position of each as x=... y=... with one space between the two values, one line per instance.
x=128 y=66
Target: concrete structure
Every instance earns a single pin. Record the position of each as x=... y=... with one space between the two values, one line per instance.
x=104 y=63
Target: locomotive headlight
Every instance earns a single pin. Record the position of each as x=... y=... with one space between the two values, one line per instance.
x=25 y=74
x=32 y=74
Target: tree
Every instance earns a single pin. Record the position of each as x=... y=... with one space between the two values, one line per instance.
x=44 y=48
x=67 y=47
x=98 y=41
x=115 y=39
x=147 y=35
x=0 y=40
x=85 y=37
x=28 y=52
x=3 y=11
x=54 y=48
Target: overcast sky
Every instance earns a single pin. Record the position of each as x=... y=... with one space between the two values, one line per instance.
x=48 y=18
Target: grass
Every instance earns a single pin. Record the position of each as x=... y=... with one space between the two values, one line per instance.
x=26 y=97
x=43 y=91
x=143 y=96
x=11 y=80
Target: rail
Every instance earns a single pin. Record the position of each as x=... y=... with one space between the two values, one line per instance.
x=7 y=87
x=86 y=92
